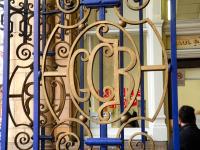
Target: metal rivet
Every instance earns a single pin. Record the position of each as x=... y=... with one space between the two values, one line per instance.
x=83 y=118
x=122 y=23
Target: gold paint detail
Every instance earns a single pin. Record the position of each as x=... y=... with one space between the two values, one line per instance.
x=64 y=136
x=142 y=144
x=111 y=49
x=136 y=8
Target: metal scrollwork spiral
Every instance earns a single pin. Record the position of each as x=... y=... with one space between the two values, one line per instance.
x=65 y=138
x=24 y=51
x=70 y=7
x=136 y=8
x=133 y=8
x=23 y=139
x=140 y=144
x=62 y=49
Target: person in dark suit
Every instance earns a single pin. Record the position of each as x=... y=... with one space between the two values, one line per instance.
x=189 y=132
x=134 y=123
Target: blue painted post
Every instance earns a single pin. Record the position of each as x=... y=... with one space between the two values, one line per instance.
x=81 y=82
x=142 y=74
x=44 y=38
x=174 y=77
x=25 y=16
x=43 y=139
x=103 y=128
x=36 y=115
x=121 y=43
x=62 y=21
x=6 y=69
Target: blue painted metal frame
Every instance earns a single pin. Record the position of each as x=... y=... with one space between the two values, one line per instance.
x=43 y=25
x=81 y=82
x=174 y=89
x=25 y=21
x=141 y=30
x=6 y=70
x=41 y=53
x=100 y=3
x=121 y=65
x=43 y=138
x=36 y=115
x=103 y=128
x=62 y=22
x=104 y=142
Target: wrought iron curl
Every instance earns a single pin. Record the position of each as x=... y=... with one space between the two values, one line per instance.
x=24 y=51
x=73 y=9
x=23 y=140
x=43 y=119
x=137 y=8
x=134 y=8
x=63 y=140
x=67 y=138
x=62 y=49
x=69 y=6
x=138 y=143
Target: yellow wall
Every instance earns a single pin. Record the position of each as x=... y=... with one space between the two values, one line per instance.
x=190 y=93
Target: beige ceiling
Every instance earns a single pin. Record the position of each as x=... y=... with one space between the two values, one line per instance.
x=188 y=9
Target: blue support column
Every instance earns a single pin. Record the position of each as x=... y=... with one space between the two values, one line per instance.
x=121 y=43
x=36 y=115
x=142 y=74
x=25 y=16
x=62 y=21
x=6 y=70
x=103 y=128
x=43 y=139
x=81 y=82
x=44 y=38
x=174 y=77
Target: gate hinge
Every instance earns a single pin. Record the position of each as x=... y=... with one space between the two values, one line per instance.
x=100 y=3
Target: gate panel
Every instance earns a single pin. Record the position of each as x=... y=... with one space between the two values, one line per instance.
x=107 y=47
x=68 y=76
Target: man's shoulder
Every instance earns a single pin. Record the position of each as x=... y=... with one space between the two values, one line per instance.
x=190 y=130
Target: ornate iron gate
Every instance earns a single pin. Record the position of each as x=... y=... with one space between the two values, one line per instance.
x=62 y=71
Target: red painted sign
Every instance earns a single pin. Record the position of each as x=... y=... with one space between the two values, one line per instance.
x=107 y=93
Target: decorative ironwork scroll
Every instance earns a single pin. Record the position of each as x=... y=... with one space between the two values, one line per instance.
x=21 y=33
x=111 y=49
x=62 y=32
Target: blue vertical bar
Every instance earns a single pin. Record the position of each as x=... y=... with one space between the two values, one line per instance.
x=36 y=115
x=6 y=69
x=81 y=82
x=103 y=128
x=43 y=24
x=43 y=46
x=43 y=140
x=121 y=79
x=62 y=21
x=174 y=77
x=25 y=17
x=142 y=74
